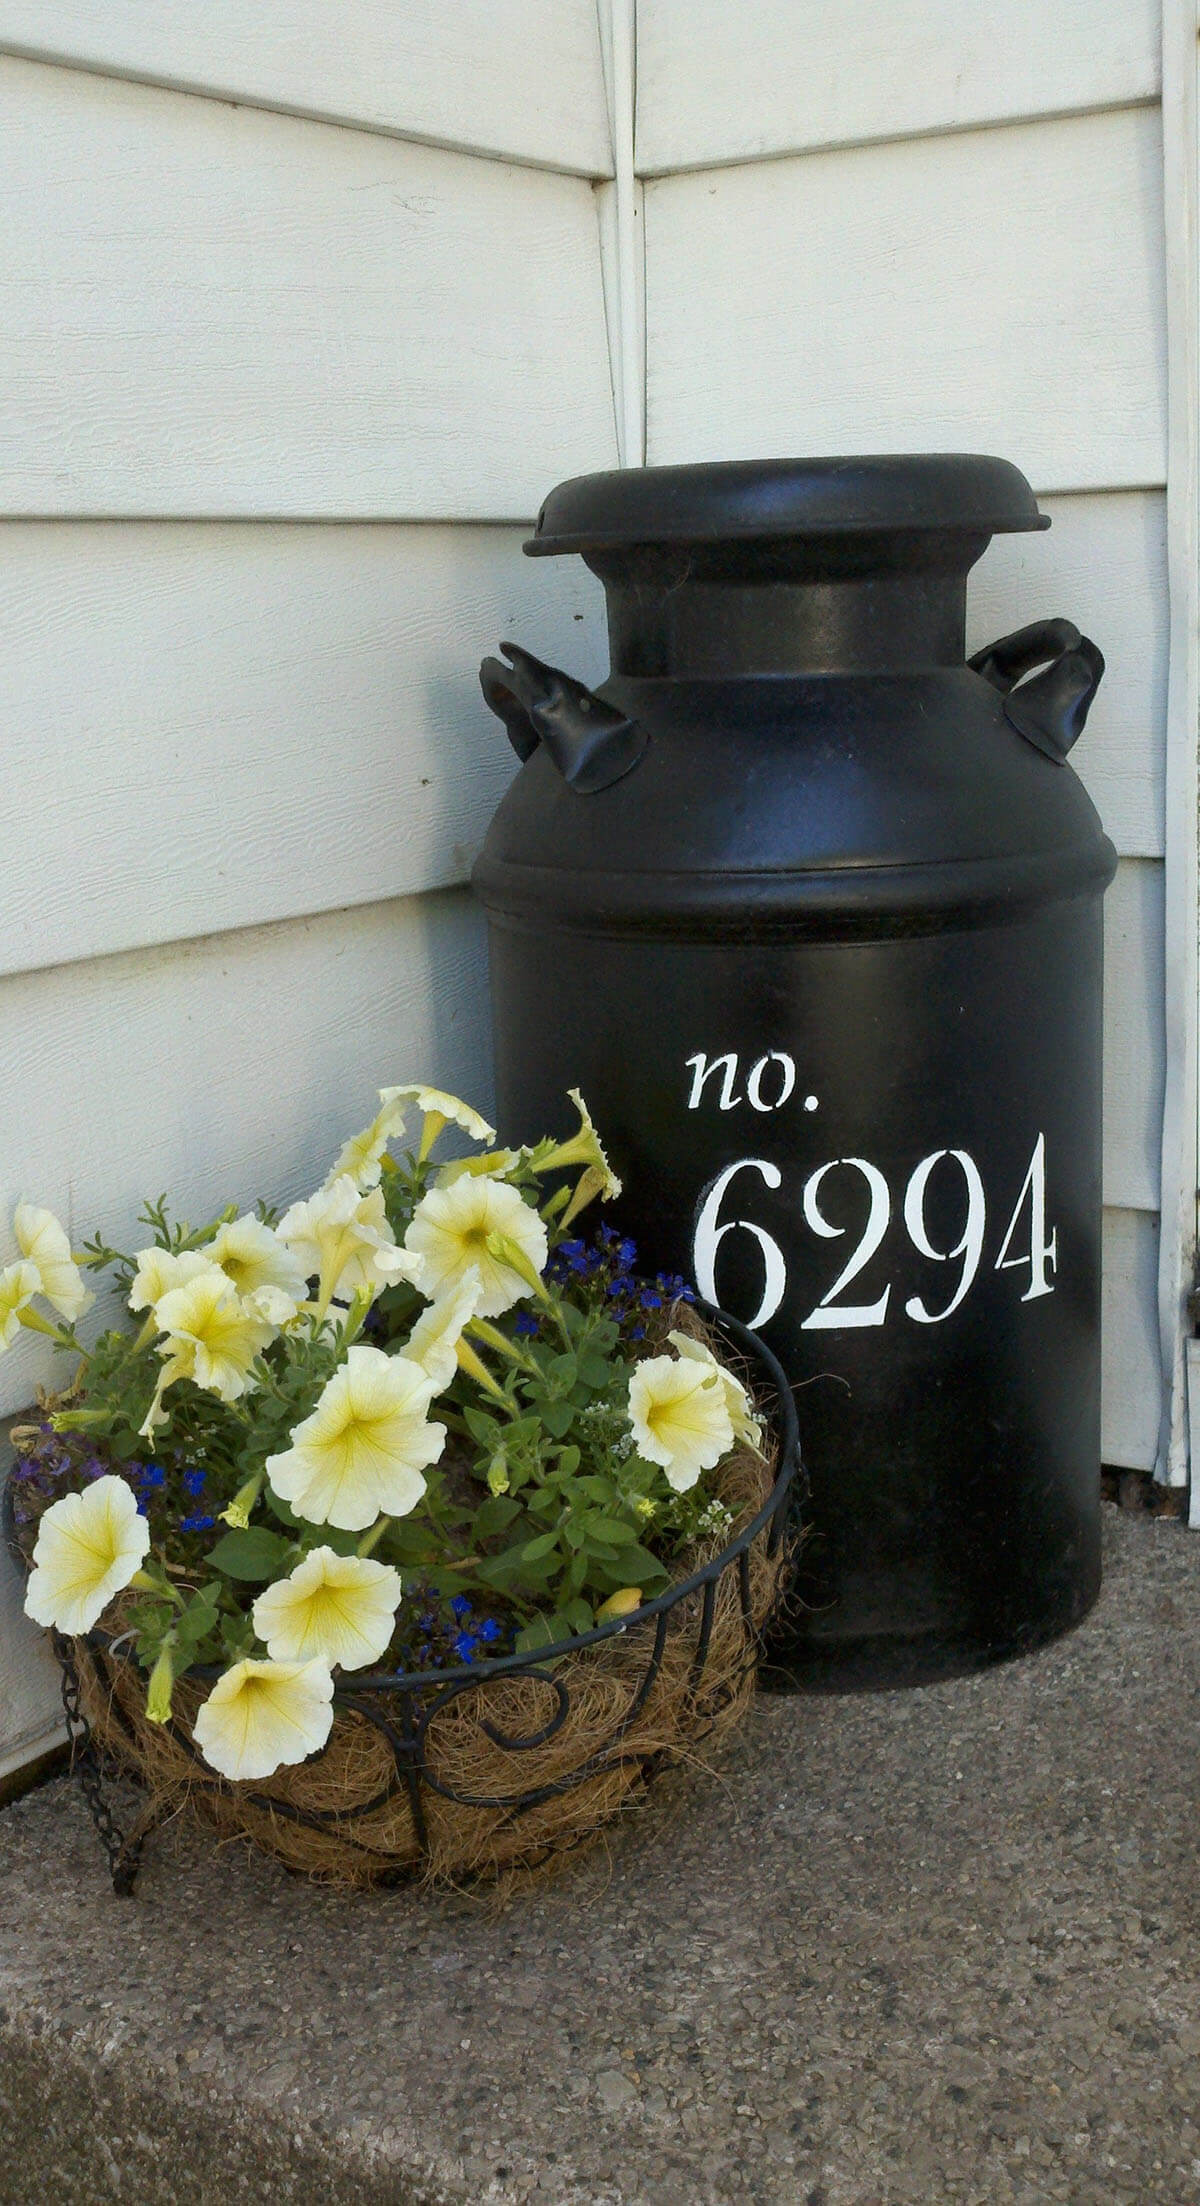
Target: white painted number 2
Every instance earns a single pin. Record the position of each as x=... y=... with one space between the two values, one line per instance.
x=833 y=1315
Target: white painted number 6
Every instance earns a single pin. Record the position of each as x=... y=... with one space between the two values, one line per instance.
x=709 y=1236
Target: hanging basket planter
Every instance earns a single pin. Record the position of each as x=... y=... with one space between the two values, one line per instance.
x=462 y=1775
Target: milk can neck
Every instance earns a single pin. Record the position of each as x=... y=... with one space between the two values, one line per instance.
x=847 y=608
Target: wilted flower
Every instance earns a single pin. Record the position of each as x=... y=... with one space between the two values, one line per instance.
x=746 y=1426
x=342 y=1238
x=435 y=1337
x=253 y=1257
x=450 y=1230
x=339 y=1607
x=89 y=1546
x=361 y=1158
x=584 y=1148
x=261 y=1715
x=678 y=1417
x=213 y=1333
x=363 y=1449
x=18 y=1285
x=438 y=1110
x=43 y=1243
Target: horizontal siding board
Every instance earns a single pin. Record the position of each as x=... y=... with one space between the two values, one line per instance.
x=215 y=725
x=997 y=290
x=211 y=310
x=733 y=82
x=516 y=77
x=1134 y=1035
x=1131 y=1391
x=226 y=1069
x=1103 y=563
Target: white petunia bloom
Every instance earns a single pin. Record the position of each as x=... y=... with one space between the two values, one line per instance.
x=361 y=1158
x=211 y=1331
x=747 y=1426
x=89 y=1546
x=678 y=1417
x=18 y=1285
x=342 y=1238
x=159 y=1270
x=253 y=1257
x=438 y=1110
x=340 y=1608
x=434 y=1339
x=362 y=1451
x=261 y=1715
x=450 y=1229
x=43 y=1243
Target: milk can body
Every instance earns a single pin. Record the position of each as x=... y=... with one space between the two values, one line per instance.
x=810 y=909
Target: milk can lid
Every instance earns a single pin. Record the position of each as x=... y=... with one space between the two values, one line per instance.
x=723 y=499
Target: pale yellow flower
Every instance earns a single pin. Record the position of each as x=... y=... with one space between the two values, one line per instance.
x=342 y=1238
x=252 y=1258
x=361 y=1158
x=746 y=1425
x=18 y=1285
x=438 y=1110
x=584 y=1148
x=492 y=1165
x=341 y=1608
x=450 y=1230
x=158 y=1271
x=261 y=1715
x=212 y=1331
x=434 y=1339
x=362 y=1451
x=678 y=1417
x=88 y=1547
x=43 y=1243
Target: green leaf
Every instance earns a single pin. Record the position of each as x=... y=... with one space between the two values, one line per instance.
x=558 y=1417
x=539 y=1633
x=612 y=1530
x=640 y=1568
x=253 y=1556
x=534 y=1549
x=564 y=1370
x=568 y=1461
x=594 y=1370
x=493 y=1515
x=579 y=1615
x=482 y=1428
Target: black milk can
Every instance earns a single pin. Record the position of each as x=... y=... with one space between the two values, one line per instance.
x=809 y=907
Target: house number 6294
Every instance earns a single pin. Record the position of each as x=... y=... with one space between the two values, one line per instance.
x=1025 y=1244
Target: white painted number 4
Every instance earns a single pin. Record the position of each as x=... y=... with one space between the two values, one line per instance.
x=1043 y=1253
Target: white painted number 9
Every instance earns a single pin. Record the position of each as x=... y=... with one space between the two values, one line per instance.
x=969 y=1246
x=709 y=1236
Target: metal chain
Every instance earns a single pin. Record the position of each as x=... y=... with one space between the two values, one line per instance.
x=124 y=1854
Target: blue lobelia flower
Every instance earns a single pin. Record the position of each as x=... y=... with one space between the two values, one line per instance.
x=489 y=1630
x=460 y=1606
x=465 y=1645
x=197 y=1524
x=193 y=1482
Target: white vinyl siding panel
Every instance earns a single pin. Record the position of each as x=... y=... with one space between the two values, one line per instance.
x=1102 y=563
x=1131 y=1391
x=734 y=80
x=521 y=78
x=211 y=310
x=995 y=291
x=214 y=725
x=228 y=1068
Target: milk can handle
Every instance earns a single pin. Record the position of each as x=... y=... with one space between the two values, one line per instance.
x=1050 y=709
x=592 y=743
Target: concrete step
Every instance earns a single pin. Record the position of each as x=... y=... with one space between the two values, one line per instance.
x=925 y=1947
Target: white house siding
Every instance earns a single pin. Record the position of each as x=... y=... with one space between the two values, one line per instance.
x=278 y=396
x=936 y=226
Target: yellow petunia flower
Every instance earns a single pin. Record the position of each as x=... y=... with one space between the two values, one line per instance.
x=43 y=1243
x=340 y=1608
x=342 y=1238
x=261 y=1715
x=159 y=1270
x=438 y=1110
x=210 y=1329
x=678 y=1417
x=362 y=1451
x=89 y=1545
x=584 y=1148
x=253 y=1258
x=450 y=1231
x=361 y=1158
x=747 y=1426
x=18 y=1285
x=433 y=1342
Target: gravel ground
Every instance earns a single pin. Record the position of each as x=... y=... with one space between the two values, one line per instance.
x=901 y=1950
